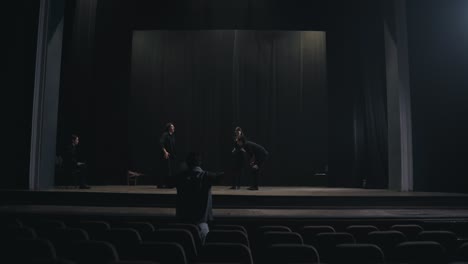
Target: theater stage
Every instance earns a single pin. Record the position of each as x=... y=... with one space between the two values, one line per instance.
x=223 y=197
x=268 y=203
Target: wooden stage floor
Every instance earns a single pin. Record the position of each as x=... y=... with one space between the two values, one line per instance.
x=264 y=191
x=268 y=202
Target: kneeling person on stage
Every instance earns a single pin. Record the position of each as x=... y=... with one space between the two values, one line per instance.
x=194 y=202
x=257 y=156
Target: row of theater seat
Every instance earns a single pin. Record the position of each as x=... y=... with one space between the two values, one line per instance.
x=101 y=242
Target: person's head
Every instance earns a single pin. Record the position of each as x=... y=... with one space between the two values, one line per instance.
x=241 y=141
x=170 y=128
x=238 y=132
x=193 y=159
x=75 y=140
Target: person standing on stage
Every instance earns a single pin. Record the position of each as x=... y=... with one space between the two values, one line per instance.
x=73 y=167
x=194 y=201
x=238 y=160
x=257 y=156
x=168 y=157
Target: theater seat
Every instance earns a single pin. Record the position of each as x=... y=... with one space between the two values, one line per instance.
x=327 y=242
x=84 y=252
x=278 y=237
x=308 y=233
x=411 y=231
x=180 y=236
x=360 y=232
x=225 y=252
x=291 y=253
x=421 y=252
x=447 y=239
x=358 y=253
x=227 y=236
x=387 y=241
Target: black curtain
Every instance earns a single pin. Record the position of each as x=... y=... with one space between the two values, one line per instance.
x=19 y=33
x=271 y=83
x=370 y=116
x=357 y=97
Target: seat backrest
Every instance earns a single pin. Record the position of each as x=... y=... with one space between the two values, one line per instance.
x=360 y=232
x=60 y=235
x=227 y=236
x=225 y=252
x=257 y=238
x=280 y=237
x=411 y=231
x=420 y=252
x=27 y=250
x=180 y=236
x=462 y=252
x=447 y=239
x=358 y=253
x=18 y=233
x=333 y=239
x=193 y=229
x=229 y=227
x=387 y=241
x=122 y=236
x=308 y=233
x=161 y=252
x=291 y=253
x=327 y=242
x=143 y=228
x=267 y=228
x=92 y=252
x=95 y=229
x=48 y=224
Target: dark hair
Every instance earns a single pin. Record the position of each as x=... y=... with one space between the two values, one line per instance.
x=74 y=136
x=238 y=129
x=193 y=159
x=168 y=125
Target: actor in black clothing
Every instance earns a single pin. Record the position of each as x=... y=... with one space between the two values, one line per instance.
x=257 y=156
x=238 y=160
x=72 y=166
x=194 y=203
x=168 y=157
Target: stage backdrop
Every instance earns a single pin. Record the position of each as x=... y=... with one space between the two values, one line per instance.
x=273 y=84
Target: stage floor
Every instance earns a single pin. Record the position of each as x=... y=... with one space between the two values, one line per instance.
x=263 y=191
x=268 y=202
x=337 y=213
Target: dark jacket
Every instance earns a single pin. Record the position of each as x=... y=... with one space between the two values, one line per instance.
x=194 y=204
x=257 y=153
x=167 y=141
x=70 y=158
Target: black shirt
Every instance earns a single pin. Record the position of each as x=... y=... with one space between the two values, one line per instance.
x=256 y=151
x=70 y=158
x=167 y=141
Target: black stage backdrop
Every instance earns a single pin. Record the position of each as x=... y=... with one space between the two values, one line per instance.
x=271 y=83
x=97 y=96
x=96 y=80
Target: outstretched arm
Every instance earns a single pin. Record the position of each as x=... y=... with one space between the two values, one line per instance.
x=214 y=176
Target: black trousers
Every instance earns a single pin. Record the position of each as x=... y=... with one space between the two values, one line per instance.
x=256 y=174
x=240 y=166
x=78 y=175
x=167 y=173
